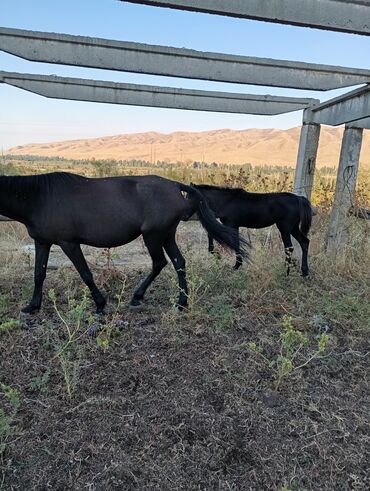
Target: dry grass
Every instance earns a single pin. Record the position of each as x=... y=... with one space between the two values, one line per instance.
x=164 y=401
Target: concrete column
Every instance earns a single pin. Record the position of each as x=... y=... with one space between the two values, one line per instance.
x=345 y=189
x=306 y=160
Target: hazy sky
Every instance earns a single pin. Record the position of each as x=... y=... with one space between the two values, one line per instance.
x=29 y=118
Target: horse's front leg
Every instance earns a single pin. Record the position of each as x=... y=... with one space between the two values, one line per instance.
x=41 y=262
x=74 y=253
x=154 y=243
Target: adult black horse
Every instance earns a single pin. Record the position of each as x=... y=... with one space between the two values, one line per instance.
x=238 y=208
x=69 y=210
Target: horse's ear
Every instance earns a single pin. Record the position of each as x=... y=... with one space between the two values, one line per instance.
x=191 y=184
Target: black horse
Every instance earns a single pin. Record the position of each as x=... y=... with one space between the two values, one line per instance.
x=238 y=208
x=69 y=210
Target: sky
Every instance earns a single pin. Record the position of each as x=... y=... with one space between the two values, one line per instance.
x=30 y=118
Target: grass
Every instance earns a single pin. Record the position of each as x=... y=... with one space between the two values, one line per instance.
x=159 y=399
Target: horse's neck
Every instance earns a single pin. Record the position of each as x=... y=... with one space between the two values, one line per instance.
x=17 y=196
x=217 y=198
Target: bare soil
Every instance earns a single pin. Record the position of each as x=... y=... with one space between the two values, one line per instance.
x=175 y=401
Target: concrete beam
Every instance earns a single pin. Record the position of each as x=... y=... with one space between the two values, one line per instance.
x=333 y=15
x=175 y=62
x=147 y=95
x=360 y=123
x=347 y=108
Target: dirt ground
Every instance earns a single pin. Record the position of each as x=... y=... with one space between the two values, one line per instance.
x=161 y=400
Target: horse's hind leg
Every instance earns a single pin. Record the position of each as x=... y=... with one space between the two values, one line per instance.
x=211 y=247
x=288 y=248
x=154 y=243
x=74 y=253
x=304 y=242
x=178 y=262
x=239 y=257
x=41 y=262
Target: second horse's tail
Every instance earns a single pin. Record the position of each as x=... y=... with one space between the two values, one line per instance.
x=225 y=236
x=305 y=215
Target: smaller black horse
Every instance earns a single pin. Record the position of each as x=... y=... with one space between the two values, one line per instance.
x=69 y=210
x=238 y=208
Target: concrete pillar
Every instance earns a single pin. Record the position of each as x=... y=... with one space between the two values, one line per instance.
x=345 y=189
x=306 y=160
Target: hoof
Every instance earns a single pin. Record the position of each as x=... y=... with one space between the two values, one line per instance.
x=135 y=305
x=29 y=310
x=137 y=308
x=178 y=307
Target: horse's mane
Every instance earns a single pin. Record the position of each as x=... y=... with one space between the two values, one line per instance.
x=239 y=192
x=38 y=182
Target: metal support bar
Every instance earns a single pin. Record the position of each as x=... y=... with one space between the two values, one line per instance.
x=175 y=62
x=147 y=95
x=306 y=160
x=334 y=15
x=345 y=188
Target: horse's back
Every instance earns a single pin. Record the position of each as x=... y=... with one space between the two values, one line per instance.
x=105 y=212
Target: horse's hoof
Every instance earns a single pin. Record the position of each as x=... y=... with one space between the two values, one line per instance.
x=135 y=305
x=178 y=307
x=29 y=310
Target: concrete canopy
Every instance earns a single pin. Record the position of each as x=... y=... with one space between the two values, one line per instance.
x=175 y=62
x=360 y=123
x=147 y=95
x=351 y=16
x=350 y=107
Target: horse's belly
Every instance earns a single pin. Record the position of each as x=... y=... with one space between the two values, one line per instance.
x=108 y=236
x=260 y=225
x=98 y=233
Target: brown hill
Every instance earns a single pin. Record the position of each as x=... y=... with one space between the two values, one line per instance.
x=256 y=146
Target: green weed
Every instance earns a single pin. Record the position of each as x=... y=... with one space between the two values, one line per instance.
x=8 y=413
x=293 y=346
x=349 y=309
x=9 y=325
x=40 y=382
x=74 y=322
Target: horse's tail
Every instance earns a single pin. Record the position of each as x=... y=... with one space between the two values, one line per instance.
x=226 y=236
x=305 y=215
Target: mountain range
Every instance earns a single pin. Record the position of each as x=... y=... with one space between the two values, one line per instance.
x=255 y=146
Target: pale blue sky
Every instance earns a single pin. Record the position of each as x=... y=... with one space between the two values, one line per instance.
x=28 y=118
